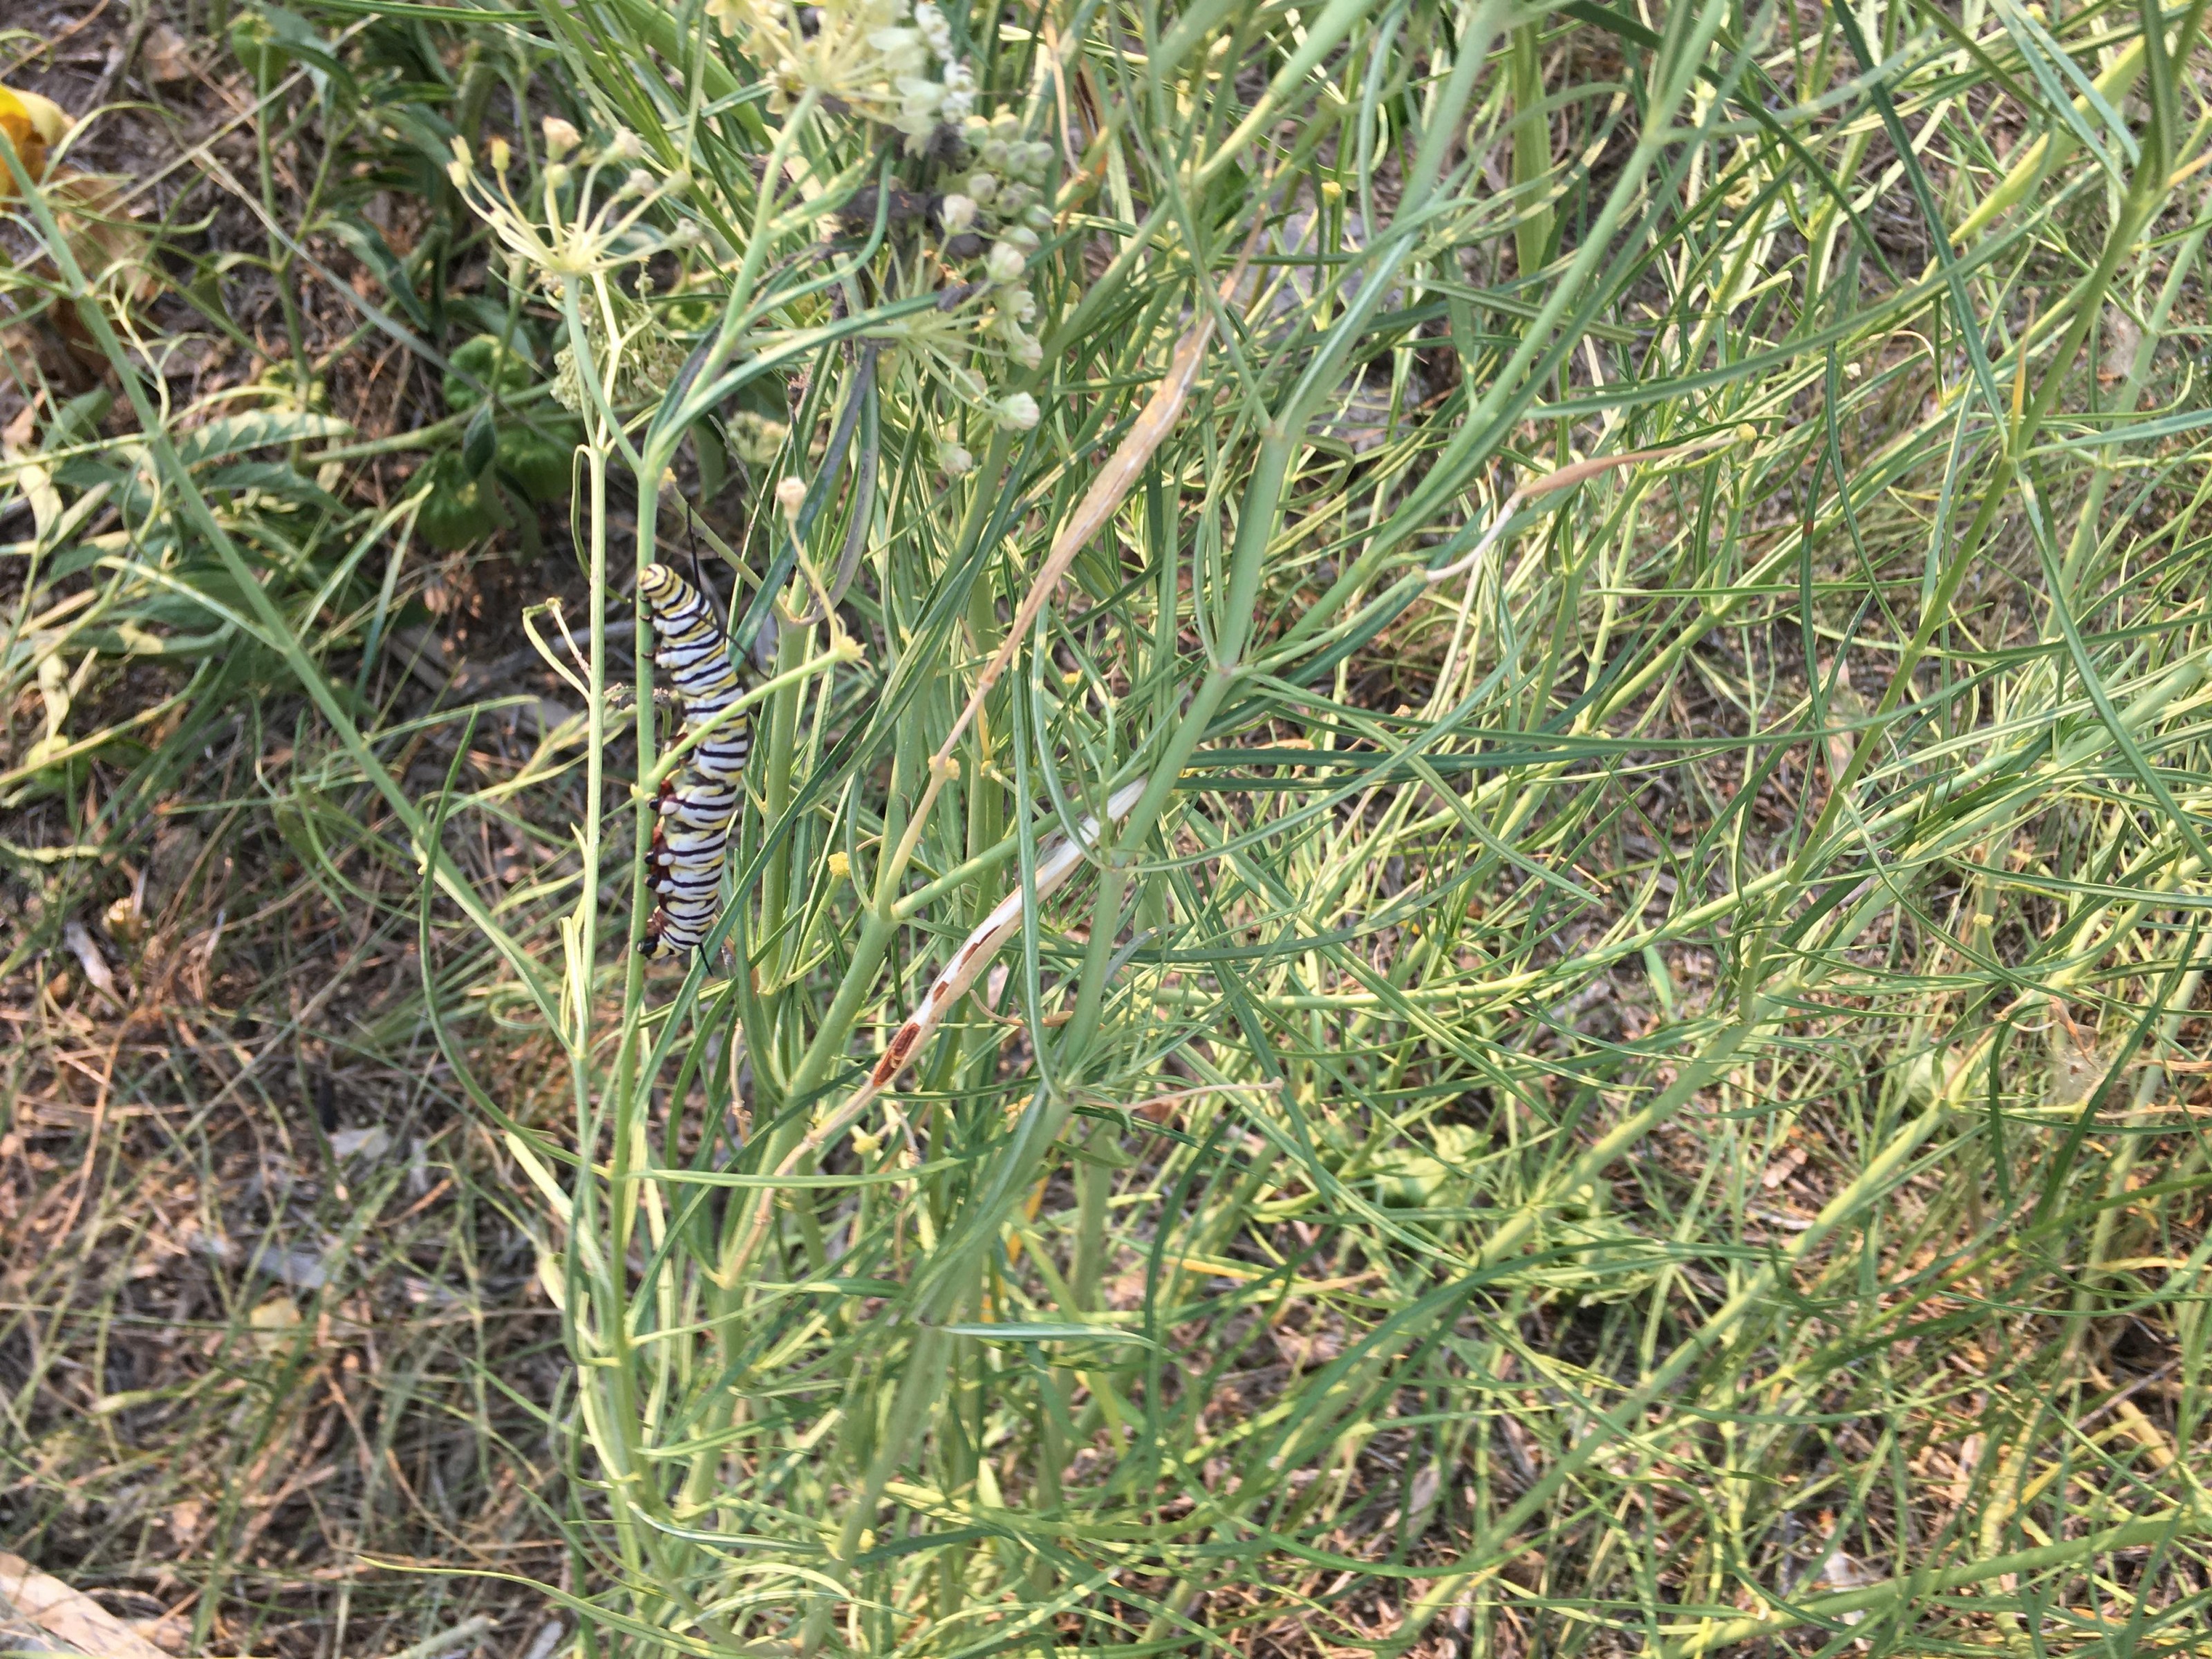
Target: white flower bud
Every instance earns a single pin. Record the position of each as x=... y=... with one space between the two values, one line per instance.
x=561 y=138
x=790 y=495
x=1004 y=263
x=501 y=155
x=954 y=459
x=958 y=213
x=625 y=147
x=994 y=154
x=558 y=174
x=1029 y=350
x=1038 y=155
x=959 y=90
x=1022 y=237
x=638 y=182
x=937 y=33
x=1005 y=126
x=1037 y=216
x=901 y=49
x=1017 y=412
x=1018 y=303
x=982 y=187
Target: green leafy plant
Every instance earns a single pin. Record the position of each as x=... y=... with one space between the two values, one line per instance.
x=204 y=560
x=1472 y=726
x=895 y=1331
x=501 y=449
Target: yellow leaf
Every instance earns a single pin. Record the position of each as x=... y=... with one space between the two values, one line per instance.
x=33 y=124
x=274 y=1321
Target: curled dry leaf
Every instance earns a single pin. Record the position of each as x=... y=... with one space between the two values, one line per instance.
x=166 y=57
x=62 y=1620
x=79 y=939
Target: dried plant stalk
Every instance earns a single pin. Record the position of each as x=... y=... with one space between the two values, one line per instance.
x=1059 y=860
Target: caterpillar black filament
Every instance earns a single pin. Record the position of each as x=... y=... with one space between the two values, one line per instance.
x=699 y=805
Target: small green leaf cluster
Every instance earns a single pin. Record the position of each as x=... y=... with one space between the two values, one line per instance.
x=506 y=456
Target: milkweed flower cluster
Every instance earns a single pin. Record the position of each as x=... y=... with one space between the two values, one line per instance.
x=636 y=356
x=594 y=215
x=1004 y=187
x=875 y=58
x=593 y=206
x=954 y=344
x=997 y=208
x=992 y=212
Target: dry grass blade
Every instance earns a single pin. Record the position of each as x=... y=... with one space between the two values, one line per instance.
x=1565 y=477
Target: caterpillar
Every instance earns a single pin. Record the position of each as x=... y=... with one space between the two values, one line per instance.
x=699 y=805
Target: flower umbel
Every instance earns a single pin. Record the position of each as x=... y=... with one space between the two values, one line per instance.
x=584 y=228
x=869 y=55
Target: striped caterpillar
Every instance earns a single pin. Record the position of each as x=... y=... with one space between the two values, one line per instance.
x=699 y=805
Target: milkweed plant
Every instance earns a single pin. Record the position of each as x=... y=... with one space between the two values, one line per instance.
x=1387 y=653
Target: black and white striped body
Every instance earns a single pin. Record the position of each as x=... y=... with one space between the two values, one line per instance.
x=699 y=805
